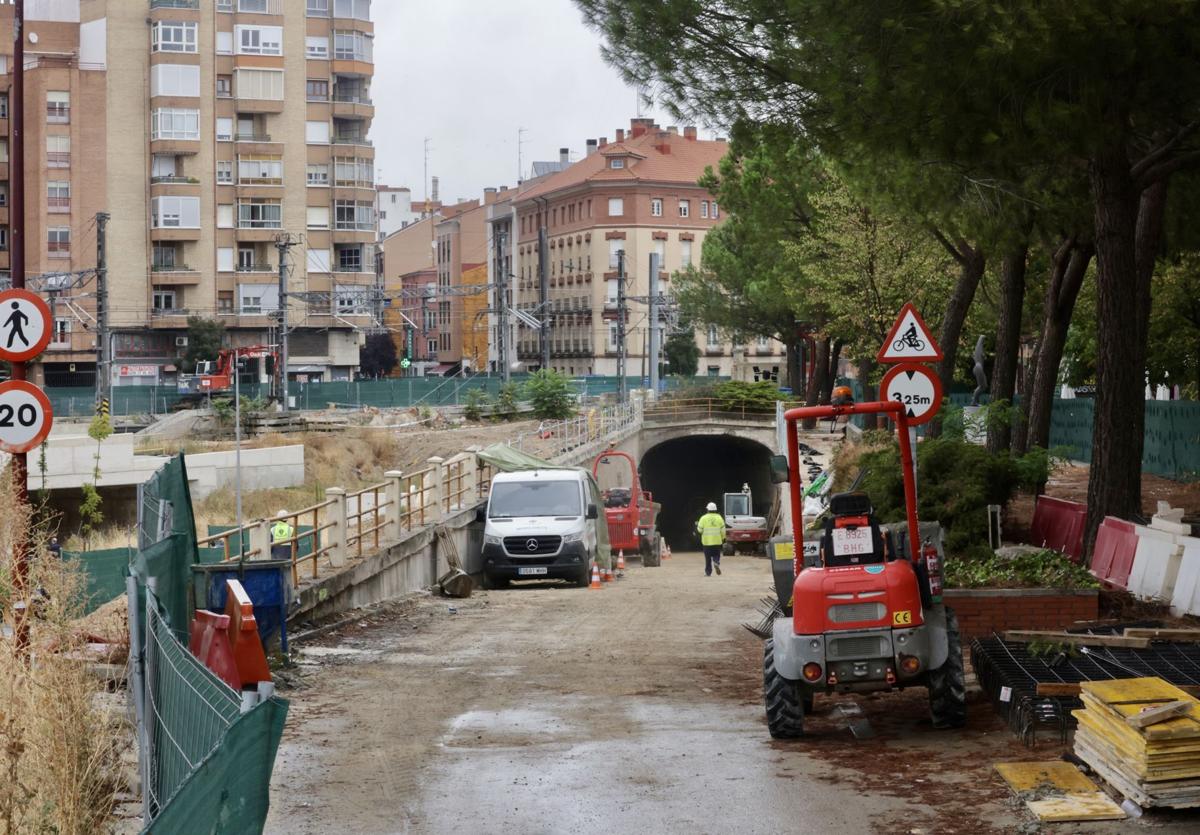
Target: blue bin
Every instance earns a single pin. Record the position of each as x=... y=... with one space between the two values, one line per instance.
x=267 y=582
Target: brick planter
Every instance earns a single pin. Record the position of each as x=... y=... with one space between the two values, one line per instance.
x=984 y=611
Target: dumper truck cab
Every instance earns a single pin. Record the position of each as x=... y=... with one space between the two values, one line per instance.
x=539 y=525
x=744 y=532
x=863 y=610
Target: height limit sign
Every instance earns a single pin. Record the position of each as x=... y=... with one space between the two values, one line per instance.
x=25 y=329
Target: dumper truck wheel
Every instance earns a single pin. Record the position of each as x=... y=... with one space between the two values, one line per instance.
x=785 y=706
x=727 y=549
x=948 y=683
x=652 y=556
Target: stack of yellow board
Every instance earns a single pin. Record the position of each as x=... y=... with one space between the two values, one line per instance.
x=1157 y=765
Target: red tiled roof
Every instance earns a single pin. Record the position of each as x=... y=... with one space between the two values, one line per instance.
x=684 y=163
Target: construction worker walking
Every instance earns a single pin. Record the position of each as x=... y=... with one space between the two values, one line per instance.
x=711 y=528
x=281 y=537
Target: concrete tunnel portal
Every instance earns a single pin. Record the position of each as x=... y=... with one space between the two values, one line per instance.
x=684 y=474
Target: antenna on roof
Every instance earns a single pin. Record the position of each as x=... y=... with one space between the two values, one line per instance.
x=520 y=162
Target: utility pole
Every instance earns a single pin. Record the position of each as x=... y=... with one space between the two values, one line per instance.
x=622 y=382
x=655 y=334
x=544 y=288
x=283 y=244
x=104 y=345
x=17 y=271
x=502 y=309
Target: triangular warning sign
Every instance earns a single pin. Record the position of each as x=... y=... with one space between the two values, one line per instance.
x=909 y=340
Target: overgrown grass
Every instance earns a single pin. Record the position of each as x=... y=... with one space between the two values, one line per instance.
x=1041 y=569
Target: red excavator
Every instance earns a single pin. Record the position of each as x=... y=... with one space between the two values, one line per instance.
x=631 y=512
x=863 y=611
x=215 y=377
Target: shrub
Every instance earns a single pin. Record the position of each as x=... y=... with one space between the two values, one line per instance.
x=506 y=401
x=550 y=393
x=473 y=404
x=1041 y=569
x=758 y=397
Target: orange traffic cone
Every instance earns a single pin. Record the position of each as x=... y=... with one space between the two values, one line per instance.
x=621 y=564
x=595 y=584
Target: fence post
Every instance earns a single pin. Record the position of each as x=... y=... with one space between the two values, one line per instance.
x=434 y=489
x=394 y=495
x=338 y=534
x=258 y=538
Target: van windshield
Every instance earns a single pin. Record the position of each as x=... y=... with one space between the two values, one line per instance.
x=737 y=504
x=535 y=498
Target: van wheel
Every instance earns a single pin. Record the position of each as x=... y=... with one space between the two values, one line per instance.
x=785 y=705
x=491 y=581
x=585 y=577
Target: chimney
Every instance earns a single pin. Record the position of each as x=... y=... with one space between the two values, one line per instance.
x=489 y=196
x=639 y=126
x=433 y=190
x=564 y=155
x=620 y=134
x=689 y=133
x=591 y=147
x=603 y=141
x=674 y=131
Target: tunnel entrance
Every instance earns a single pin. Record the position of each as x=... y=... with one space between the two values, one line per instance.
x=685 y=474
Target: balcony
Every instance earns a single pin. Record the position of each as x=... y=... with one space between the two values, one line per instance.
x=174 y=4
x=58 y=159
x=169 y=317
x=175 y=233
x=256 y=268
x=174 y=276
x=361 y=141
x=349 y=106
x=58 y=205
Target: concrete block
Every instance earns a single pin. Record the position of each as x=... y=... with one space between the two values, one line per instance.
x=1185 y=600
x=1171 y=526
x=1155 y=565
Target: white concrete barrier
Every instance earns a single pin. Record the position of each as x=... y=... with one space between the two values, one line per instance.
x=1155 y=564
x=1185 y=599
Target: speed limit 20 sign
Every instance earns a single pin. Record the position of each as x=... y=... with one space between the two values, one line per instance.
x=25 y=416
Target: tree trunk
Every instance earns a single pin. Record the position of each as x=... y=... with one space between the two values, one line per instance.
x=1128 y=228
x=818 y=391
x=972 y=263
x=1065 y=282
x=1008 y=343
x=835 y=355
x=795 y=365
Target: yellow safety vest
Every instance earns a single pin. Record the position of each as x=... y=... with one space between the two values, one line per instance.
x=711 y=528
x=281 y=532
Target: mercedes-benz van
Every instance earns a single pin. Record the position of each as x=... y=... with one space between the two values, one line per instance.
x=540 y=524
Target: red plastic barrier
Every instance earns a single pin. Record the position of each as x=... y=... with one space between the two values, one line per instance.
x=1112 y=556
x=210 y=644
x=1058 y=524
x=243 y=636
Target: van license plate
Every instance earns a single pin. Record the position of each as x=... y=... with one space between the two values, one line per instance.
x=531 y=571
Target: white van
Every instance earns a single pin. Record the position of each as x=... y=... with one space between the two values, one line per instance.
x=539 y=524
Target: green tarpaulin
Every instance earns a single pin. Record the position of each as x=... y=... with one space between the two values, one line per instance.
x=508 y=460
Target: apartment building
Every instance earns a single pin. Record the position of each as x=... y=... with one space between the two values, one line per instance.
x=501 y=220
x=397 y=209
x=207 y=130
x=639 y=195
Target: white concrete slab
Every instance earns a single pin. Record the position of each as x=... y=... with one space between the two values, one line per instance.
x=1155 y=564
x=1185 y=599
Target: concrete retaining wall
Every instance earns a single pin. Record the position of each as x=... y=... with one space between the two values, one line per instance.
x=984 y=611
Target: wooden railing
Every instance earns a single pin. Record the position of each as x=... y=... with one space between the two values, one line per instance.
x=357 y=521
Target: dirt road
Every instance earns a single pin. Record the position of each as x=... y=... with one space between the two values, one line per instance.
x=547 y=709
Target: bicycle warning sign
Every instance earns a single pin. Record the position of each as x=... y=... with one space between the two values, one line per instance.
x=909 y=340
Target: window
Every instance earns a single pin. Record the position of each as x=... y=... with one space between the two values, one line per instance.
x=3 y=194
x=58 y=151
x=349 y=214
x=616 y=162
x=349 y=259
x=163 y=299
x=685 y=207
x=224 y=5
x=58 y=107
x=224 y=86
x=3 y=105
x=353 y=46
x=259 y=40
x=357 y=9
x=351 y=300
x=225 y=172
x=259 y=84
x=252 y=301
x=614 y=246
x=317 y=47
x=353 y=172
x=224 y=43
x=764 y=343
x=162 y=166
x=656 y=207
x=58 y=195
x=318 y=175
x=260 y=170
x=225 y=216
x=225 y=301
x=612 y=336
x=317 y=89
x=173 y=36
x=175 y=213
x=318 y=217
x=260 y=214
x=175 y=123
x=175 y=80
x=616 y=206
x=4 y=246
x=316 y=133
x=318 y=8
x=245 y=259
x=318 y=260
x=685 y=254
x=3 y=149
x=703 y=208
x=714 y=338
x=162 y=257
x=58 y=242
x=225 y=259
x=62 y=330
x=259 y=6
x=714 y=210
x=224 y=129
x=660 y=249
x=713 y=371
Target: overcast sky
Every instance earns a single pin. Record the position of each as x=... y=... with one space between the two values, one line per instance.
x=468 y=73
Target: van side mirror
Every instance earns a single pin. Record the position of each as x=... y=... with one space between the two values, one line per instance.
x=779 y=469
x=592 y=513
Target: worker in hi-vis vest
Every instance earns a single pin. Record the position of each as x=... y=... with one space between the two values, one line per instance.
x=711 y=528
x=281 y=535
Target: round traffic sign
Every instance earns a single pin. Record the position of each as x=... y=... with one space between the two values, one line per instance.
x=917 y=387
x=25 y=416
x=24 y=325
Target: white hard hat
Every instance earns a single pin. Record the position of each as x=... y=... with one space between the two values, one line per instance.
x=281 y=514
x=712 y=506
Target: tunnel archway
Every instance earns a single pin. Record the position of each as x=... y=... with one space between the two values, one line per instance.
x=684 y=474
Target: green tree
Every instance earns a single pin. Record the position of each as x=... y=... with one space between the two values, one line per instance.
x=378 y=356
x=1174 y=355
x=205 y=337
x=681 y=352
x=550 y=394
x=90 y=513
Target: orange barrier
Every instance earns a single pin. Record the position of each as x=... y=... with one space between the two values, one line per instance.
x=247 y=647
